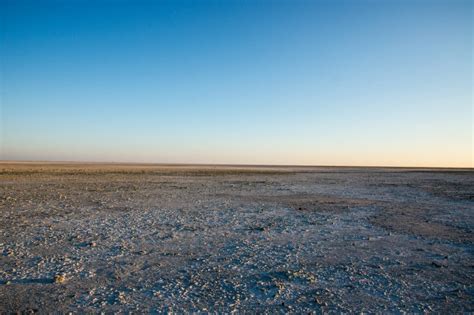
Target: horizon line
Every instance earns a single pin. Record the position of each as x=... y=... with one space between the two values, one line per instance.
x=61 y=162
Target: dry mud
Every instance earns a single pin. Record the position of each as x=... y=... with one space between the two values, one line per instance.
x=144 y=238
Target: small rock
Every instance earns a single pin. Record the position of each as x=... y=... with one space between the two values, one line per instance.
x=440 y=264
x=121 y=297
x=321 y=302
x=59 y=278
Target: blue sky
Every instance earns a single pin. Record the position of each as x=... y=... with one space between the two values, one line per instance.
x=251 y=82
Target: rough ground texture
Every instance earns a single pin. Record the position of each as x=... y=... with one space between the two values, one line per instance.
x=85 y=238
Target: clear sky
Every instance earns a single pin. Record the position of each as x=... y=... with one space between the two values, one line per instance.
x=251 y=82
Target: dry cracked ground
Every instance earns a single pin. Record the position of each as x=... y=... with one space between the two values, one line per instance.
x=148 y=238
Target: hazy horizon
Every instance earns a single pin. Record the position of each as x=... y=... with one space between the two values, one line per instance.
x=337 y=83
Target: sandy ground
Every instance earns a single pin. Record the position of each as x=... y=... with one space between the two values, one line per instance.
x=91 y=237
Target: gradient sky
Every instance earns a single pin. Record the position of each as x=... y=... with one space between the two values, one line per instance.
x=259 y=82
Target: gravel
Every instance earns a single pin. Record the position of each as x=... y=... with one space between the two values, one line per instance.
x=156 y=238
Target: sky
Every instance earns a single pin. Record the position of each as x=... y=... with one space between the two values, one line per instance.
x=369 y=83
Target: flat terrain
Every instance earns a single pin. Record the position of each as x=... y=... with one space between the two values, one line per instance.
x=90 y=237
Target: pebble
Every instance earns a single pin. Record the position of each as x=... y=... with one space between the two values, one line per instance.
x=440 y=263
x=60 y=278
